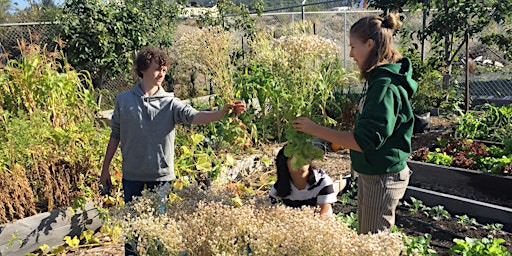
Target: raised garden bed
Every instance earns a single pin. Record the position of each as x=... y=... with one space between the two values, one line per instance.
x=26 y=235
x=472 y=184
x=484 y=213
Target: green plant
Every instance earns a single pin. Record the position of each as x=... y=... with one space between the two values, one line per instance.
x=454 y=23
x=66 y=145
x=194 y=159
x=429 y=93
x=438 y=212
x=291 y=76
x=415 y=205
x=466 y=221
x=439 y=158
x=351 y=219
x=468 y=154
x=487 y=122
x=113 y=32
x=349 y=194
x=418 y=245
x=494 y=228
x=484 y=246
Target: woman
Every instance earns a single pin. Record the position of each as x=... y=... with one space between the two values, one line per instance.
x=306 y=186
x=380 y=141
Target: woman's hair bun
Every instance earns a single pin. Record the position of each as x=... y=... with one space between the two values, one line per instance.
x=392 y=21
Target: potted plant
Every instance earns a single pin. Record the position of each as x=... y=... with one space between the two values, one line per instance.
x=426 y=98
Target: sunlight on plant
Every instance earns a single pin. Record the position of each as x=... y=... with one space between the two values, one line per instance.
x=63 y=148
x=484 y=246
x=293 y=75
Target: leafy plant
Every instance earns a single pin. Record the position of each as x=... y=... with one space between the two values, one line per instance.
x=292 y=76
x=468 y=154
x=415 y=205
x=494 y=228
x=466 y=221
x=487 y=122
x=430 y=91
x=439 y=158
x=66 y=144
x=438 y=212
x=418 y=245
x=351 y=219
x=484 y=246
x=114 y=32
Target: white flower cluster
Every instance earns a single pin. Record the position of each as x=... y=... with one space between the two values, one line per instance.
x=208 y=223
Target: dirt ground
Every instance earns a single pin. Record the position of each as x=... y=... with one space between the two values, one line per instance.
x=337 y=165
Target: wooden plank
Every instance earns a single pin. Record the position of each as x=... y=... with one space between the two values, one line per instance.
x=26 y=235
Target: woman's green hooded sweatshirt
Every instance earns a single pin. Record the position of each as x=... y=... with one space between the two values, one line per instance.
x=384 y=120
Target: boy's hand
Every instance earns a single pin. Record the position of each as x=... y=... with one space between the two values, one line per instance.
x=239 y=107
x=106 y=183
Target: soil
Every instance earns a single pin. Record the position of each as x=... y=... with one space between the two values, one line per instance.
x=337 y=165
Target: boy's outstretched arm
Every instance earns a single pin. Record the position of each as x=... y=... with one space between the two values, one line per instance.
x=204 y=117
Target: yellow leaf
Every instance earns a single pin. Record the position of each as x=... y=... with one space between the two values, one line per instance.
x=196 y=138
x=87 y=235
x=237 y=202
x=204 y=163
x=71 y=210
x=178 y=184
x=230 y=160
x=72 y=242
x=266 y=160
x=185 y=150
x=173 y=197
x=44 y=247
x=109 y=201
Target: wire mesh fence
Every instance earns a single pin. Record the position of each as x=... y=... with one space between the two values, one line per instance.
x=329 y=22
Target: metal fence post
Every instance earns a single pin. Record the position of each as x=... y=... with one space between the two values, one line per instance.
x=303 y=10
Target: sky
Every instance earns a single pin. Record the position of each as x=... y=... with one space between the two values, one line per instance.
x=22 y=4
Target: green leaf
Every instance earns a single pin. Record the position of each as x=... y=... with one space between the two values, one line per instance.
x=204 y=163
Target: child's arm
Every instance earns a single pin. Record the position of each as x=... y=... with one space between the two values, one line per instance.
x=325 y=209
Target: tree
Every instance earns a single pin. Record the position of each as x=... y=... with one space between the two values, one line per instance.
x=502 y=40
x=103 y=36
x=232 y=16
x=5 y=5
x=453 y=23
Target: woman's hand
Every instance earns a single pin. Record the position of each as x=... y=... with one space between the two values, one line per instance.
x=303 y=124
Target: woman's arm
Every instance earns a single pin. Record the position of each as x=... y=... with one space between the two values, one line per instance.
x=345 y=139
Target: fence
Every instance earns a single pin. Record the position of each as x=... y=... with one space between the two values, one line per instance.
x=332 y=25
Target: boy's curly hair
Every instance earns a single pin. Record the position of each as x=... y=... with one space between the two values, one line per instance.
x=146 y=55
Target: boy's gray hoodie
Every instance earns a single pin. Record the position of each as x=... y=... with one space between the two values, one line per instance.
x=145 y=128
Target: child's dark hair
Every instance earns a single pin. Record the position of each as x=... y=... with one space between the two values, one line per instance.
x=282 y=184
x=146 y=55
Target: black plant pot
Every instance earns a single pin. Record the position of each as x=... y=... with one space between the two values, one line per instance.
x=421 y=123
